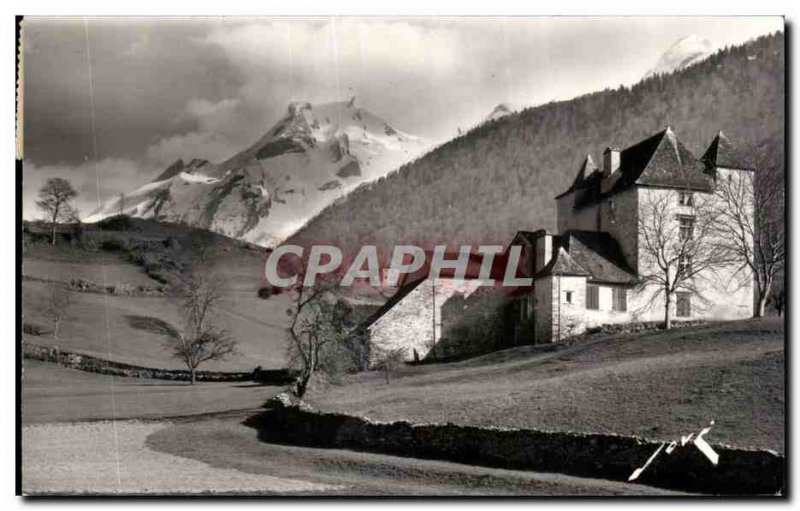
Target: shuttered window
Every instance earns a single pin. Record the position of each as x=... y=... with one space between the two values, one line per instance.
x=620 y=298
x=686 y=226
x=592 y=297
x=683 y=304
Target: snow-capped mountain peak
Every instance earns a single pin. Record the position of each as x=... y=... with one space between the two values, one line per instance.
x=311 y=156
x=685 y=52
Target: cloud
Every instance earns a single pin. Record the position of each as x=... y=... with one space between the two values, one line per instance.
x=321 y=60
x=142 y=73
x=221 y=132
x=387 y=64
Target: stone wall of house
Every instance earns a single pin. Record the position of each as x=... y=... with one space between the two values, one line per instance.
x=725 y=293
x=569 y=319
x=410 y=323
x=561 y=319
x=613 y=457
x=583 y=219
x=475 y=324
x=576 y=318
x=543 y=310
x=618 y=217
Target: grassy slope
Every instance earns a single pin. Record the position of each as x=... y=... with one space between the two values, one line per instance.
x=97 y=324
x=51 y=393
x=657 y=385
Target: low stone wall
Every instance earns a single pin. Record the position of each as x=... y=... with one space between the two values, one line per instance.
x=101 y=366
x=614 y=457
x=84 y=286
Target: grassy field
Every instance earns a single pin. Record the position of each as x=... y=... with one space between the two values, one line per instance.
x=657 y=385
x=98 y=324
x=51 y=393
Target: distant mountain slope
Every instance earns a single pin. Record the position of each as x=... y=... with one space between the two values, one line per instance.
x=262 y=194
x=685 y=52
x=502 y=176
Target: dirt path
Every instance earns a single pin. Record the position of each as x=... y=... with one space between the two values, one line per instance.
x=355 y=473
x=111 y=458
x=222 y=456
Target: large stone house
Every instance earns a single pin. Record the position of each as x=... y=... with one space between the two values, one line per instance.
x=595 y=269
x=592 y=271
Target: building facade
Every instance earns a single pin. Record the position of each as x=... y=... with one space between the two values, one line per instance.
x=624 y=231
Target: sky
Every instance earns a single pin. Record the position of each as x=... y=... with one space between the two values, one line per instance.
x=110 y=102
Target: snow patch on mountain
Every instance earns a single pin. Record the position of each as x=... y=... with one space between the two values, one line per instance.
x=685 y=52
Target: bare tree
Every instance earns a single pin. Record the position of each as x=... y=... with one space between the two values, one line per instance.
x=676 y=244
x=201 y=338
x=389 y=360
x=319 y=328
x=751 y=225
x=54 y=199
x=56 y=306
x=778 y=299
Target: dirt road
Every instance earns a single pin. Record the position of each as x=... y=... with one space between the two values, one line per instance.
x=111 y=458
x=223 y=456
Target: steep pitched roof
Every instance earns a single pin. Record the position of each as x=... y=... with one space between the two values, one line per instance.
x=588 y=168
x=600 y=254
x=396 y=298
x=590 y=191
x=595 y=255
x=528 y=237
x=722 y=153
x=563 y=264
x=660 y=160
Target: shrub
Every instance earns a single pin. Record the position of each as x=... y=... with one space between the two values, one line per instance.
x=32 y=329
x=113 y=245
x=268 y=291
x=116 y=223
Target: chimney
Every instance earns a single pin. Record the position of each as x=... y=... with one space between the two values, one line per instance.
x=610 y=161
x=543 y=250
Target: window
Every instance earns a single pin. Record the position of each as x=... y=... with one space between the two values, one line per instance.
x=686 y=198
x=683 y=304
x=686 y=227
x=619 y=297
x=526 y=308
x=592 y=297
x=684 y=265
x=568 y=296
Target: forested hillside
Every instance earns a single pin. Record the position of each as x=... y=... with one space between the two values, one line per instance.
x=502 y=176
